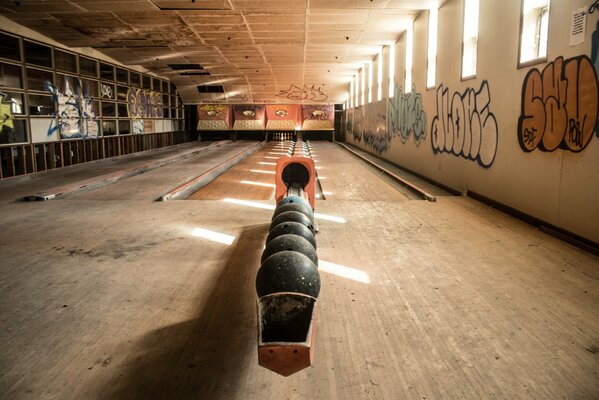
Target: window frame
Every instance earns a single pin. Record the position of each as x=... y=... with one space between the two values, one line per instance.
x=538 y=60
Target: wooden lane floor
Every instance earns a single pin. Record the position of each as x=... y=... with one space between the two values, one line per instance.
x=251 y=179
x=138 y=299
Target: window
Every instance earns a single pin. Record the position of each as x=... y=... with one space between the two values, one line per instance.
x=431 y=71
x=534 y=26
x=470 y=40
x=357 y=90
x=88 y=67
x=135 y=79
x=409 y=54
x=65 y=61
x=37 y=79
x=379 y=76
x=108 y=109
x=122 y=75
x=89 y=88
x=351 y=92
x=147 y=82
x=38 y=54
x=15 y=100
x=106 y=71
x=16 y=132
x=10 y=76
x=391 y=70
x=370 y=81
x=9 y=47
x=363 y=87
x=108 y=128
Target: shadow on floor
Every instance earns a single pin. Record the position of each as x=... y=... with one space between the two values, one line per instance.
x=205 y=357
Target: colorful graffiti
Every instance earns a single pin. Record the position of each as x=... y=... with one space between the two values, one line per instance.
x=465 y=126
x=6 y=117
x=106 y=91
x=560 y=106
x=375 y=129
x=306 y=92
x=144 y=104
x=406 y=116
x=138 y=126
x=75 y=113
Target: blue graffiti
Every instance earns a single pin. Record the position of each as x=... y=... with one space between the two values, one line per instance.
x=595 y=58
x=375 y=128
x=75 y=117
x=406 y=116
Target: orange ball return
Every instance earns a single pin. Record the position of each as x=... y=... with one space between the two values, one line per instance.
x=287 y=320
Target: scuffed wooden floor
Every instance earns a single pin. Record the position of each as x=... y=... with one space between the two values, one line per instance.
x=446 y=300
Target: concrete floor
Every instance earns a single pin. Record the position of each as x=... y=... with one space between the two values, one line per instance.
x=108 y=294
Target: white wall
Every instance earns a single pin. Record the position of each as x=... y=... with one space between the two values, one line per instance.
x=561 y=186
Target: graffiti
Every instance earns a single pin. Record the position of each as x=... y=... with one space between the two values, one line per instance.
x=375 y=129
x=138 y=126
x=6 y=117
x=144 y=104
x=594 y=7
x=560 y=106
x=465 y=125
x=359 y=118
x=106 y=91
x=306 y=93
x=406 y=116
x=213 y=110
x=595 y=58
x=74 y=111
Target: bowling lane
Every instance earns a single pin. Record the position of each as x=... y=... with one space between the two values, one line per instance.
x=343 y=177
x=251 y=179
x=151 y=185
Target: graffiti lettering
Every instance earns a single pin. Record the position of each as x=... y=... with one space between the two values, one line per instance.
x=6 y=117
x=144 y=104
x=138 y=126
x=561 y=104
x=406 y=116
x=465 y=126
x=358 y=123
x=106 y=91
x=74 y=111
x=294 y=92
x=375 y=130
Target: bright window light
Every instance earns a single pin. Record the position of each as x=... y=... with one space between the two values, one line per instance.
x=391 y=70
x=470 y=38
x=258 y=184
x=261 y=171
x=357 y=103
x=535 y=25
x=363 y=84
x=213 y=236
x=324 y=217
x=369 y=81
x=343 y=271
x=266 y=163
x=433 y=19
x=379 y=76
x=351 y=92
x=409 y=54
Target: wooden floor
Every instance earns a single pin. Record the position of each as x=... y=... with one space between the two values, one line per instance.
x=117 y=297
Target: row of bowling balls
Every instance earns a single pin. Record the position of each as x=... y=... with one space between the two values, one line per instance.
x=289 y=262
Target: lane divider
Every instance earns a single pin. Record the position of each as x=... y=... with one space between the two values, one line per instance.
x=103 y=180
x=208 y=176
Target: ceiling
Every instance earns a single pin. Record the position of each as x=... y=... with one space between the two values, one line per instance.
x=270 y=51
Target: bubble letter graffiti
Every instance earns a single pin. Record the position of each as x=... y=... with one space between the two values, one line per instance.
x=465 y=126
x=560 y=106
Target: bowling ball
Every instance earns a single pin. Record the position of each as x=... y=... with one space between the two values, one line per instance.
x=288 y=271
x=290 y=242
x=294 y=228
x=295 y=199
x=292 y=216
x=293 y=207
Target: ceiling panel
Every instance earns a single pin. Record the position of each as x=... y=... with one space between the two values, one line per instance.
x=256 y=48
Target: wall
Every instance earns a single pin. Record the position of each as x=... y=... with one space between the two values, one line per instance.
x=507 y=149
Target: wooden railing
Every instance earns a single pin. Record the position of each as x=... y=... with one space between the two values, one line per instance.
x=20 y=159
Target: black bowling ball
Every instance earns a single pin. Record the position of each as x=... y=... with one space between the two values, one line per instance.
x=293 y=216
x=294 y=228
x=299 y=207
x=288 y=271
x=290 y=242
